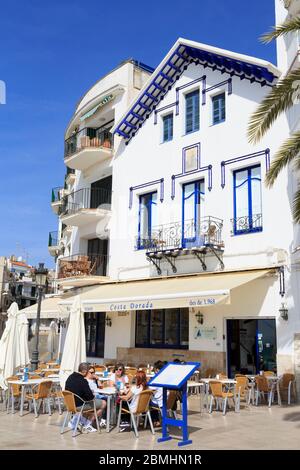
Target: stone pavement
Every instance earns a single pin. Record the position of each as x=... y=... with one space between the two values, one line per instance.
x=252 y=428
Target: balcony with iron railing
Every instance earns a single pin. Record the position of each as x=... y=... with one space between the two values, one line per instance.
x=168 y=241
x=81 y=269
x=176 y=236
x=53 y=244
x=85 y=205
x=57 y=195
x=247 y=224
x=88 y=147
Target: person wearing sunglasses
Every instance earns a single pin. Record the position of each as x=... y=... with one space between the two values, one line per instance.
x=118 y=378
x=93 y=384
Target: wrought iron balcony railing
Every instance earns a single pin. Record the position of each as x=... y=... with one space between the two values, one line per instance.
x=56 y=194
x=86 y=198
x=82 y=265
x=247 y=224
x=53 y=239
x=208 y=232
x=88 y=137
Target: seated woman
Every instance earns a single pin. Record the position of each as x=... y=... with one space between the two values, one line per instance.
x=131 y=395
x=118 y=378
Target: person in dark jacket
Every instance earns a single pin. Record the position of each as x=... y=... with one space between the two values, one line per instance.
x=77 y=384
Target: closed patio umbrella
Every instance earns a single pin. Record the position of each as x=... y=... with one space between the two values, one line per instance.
x=52 y=340
x=8 y=346
x=75 y=348
x=22 y=358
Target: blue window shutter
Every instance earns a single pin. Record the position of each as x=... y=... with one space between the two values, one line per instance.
x=218 y=108
x=167 y=127
x=192 y=112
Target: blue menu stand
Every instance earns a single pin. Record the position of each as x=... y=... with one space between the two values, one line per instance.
x=174 y=377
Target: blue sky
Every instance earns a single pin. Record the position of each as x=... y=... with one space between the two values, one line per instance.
x=52 y=52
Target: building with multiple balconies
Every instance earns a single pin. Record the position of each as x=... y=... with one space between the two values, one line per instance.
x=166 y=228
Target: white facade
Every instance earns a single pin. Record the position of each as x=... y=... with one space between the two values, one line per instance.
x=142 y=163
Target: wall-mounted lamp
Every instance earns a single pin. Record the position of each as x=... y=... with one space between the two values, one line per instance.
x=199 y=317
x=284 y=313
x=108 y=321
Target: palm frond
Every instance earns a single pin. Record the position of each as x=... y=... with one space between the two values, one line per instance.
x=289 y=26
x=279 y=99
x=296 y=206
x=288 y=151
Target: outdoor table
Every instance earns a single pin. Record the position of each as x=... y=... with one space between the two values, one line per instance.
x=29 y=383
x=50 y=370
x=111 y=393
x=200 y=385
x=270 y=378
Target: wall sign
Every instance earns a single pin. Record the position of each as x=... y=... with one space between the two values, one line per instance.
x=204 y=332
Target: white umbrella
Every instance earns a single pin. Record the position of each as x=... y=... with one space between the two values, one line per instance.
x=8 y=349
x=75 y=348
x=51 y=342
x=22 y=357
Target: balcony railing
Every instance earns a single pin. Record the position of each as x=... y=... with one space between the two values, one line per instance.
x=86 y=198
x=56 y=194
x=88 y=138
x=247 y=224
x=208 y=232
x=82 y=265
x=53 y=239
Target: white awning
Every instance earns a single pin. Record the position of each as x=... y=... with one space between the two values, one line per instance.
x=202 y=290
x=49 y=309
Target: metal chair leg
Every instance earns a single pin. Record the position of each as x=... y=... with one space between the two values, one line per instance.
x=134 y=425
x=224 y=406
x=76 y=424
x=64 y=423
x=35 y=408
x=150 y=421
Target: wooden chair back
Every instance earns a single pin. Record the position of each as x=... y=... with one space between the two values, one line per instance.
x=241 y=385
x=131 y=372
x=261 y=383
x=209 y=373
x=69 y=400
x=15 y=389
x=286 y=379
x=216 y=388
x=44 y=389
x=144 y=400
x=269 y=373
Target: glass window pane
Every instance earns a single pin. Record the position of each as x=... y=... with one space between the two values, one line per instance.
x=142 y=319
x=156 y=327
x=192 y=111
x=154 y=211
x=256 y=197
x=241 y=201
x=218 y=108
x=144 y=216
x=171 y=326
x=184 y=326
x=191 y=159
x=167 y=127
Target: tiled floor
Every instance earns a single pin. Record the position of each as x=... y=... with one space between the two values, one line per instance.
x=252 y=428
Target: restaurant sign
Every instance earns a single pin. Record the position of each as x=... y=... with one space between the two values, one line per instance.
x=202 y=332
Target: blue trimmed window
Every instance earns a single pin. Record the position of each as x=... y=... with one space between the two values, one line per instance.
x=218 y=108
x=167 y=127
x=147 y=219
x=192 y=112
x=164 y=328
x=192 y=208
x=247 y=200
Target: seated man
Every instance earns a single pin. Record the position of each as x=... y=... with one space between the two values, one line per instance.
x=77 y=384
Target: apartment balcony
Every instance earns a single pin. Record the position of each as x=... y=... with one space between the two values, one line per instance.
x=54 y=246
x=82 y=269
x=88 y=147
x=247 y=224
x=70 y=177
x=86 y=206
x=169 y=241
x=57 y=196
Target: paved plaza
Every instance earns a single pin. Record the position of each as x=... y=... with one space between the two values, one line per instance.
x=252 y=428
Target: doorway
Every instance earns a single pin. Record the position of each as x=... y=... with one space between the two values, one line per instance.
x=251 y=346
x=95 y=333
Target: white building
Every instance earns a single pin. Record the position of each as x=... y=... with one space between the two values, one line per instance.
x=199 y=252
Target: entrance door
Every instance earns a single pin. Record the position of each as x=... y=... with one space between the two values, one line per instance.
x=251 y=346
x=95 y=333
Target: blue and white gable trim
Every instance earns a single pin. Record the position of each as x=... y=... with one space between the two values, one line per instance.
x=183 y=53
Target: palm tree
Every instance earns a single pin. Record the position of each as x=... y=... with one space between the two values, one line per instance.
x=281 y=97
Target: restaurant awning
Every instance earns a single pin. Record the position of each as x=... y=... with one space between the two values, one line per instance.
x=49 y=309
x=203 y=290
